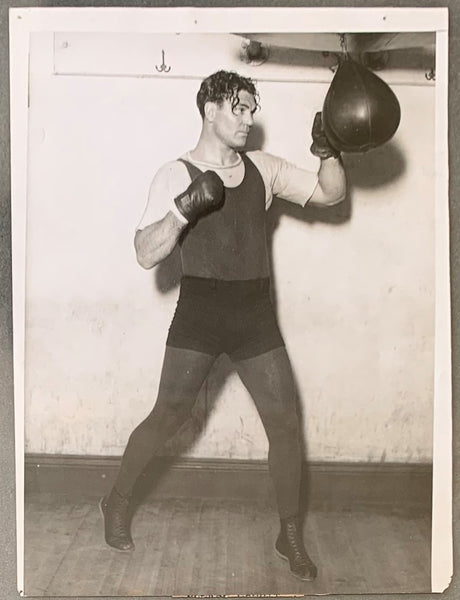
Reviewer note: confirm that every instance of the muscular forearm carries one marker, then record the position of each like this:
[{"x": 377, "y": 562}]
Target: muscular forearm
[
  {"x": 155, "y": 242},
  {"x": 332, "y": 183}
]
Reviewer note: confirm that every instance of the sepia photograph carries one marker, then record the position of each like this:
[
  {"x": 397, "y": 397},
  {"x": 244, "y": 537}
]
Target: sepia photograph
[{"x": 231, "y": 301}]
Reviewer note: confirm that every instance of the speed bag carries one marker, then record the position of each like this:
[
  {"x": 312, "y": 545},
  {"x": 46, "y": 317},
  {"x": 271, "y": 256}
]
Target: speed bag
[{"x": 360, "y": 110}]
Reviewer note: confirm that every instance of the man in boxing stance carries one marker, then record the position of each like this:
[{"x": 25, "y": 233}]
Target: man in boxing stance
[{"x": 212, "y": 202}]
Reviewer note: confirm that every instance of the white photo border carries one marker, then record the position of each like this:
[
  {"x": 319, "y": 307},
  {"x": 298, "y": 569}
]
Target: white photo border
[{"x": 24, "y": 21}]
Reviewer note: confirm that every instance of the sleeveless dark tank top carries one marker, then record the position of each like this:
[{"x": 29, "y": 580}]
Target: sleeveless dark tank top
[{"x": 229, "y": 243}]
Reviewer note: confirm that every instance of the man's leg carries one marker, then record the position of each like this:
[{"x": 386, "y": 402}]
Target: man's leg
[
  {"x": 269, "y": 379},
  {"x": 182, "y": 376}
]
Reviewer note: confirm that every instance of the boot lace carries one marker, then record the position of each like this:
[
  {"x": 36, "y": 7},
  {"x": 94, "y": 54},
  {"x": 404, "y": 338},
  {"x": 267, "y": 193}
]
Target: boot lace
[
  {"x": 119, "y": 516},
  {"x": 296, "y": 543}
]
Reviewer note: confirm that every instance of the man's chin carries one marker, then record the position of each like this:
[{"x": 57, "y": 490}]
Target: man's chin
[{"x": 240, "y": 145}]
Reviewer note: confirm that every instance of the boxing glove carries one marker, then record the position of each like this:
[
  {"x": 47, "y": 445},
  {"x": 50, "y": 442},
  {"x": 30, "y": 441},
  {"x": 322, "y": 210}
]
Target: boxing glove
[
  {"x": 321, "y": 146},
  {"x": 204, "y": 195}
]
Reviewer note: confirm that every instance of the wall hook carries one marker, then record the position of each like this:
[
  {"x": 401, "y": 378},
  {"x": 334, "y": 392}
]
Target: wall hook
[
  {"x": 431, "y": 75},
  {"x": 162, "y": 68}
]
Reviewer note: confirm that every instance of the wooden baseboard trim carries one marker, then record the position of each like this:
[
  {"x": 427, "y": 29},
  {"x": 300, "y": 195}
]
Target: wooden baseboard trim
[{"x": 328, "y": 485}]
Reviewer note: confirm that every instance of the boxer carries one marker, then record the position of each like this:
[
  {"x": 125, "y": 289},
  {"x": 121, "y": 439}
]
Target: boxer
[{"x": 212, "y": 202}]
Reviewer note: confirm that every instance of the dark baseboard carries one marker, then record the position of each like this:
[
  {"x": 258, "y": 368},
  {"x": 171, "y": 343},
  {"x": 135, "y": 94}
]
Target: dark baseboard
[{"x": 327, "y": 485}]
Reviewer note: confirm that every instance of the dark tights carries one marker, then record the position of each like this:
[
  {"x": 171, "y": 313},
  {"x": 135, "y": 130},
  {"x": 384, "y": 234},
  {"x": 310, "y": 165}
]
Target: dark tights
[{"x": 269, "y": 380}]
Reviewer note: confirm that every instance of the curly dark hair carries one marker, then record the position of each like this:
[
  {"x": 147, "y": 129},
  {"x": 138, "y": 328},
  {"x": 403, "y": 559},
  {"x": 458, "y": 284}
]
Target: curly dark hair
[{"x": 224, "y": 85}]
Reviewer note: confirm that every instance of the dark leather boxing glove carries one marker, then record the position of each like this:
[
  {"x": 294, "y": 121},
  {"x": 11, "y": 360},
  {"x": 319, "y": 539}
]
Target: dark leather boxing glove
[
  {"x": 204, "y": 195},
  {"x": 321, "y": 146}
]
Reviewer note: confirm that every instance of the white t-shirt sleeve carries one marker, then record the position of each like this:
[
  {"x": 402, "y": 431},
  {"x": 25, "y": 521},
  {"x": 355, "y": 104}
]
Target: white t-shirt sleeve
[
  {"x": 170, "y": 180},
  {"x": 284, "y": 179}
]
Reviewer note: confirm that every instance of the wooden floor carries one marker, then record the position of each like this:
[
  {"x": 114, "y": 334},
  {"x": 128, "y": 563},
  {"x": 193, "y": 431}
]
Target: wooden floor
[{"x": 216, "y": 546}]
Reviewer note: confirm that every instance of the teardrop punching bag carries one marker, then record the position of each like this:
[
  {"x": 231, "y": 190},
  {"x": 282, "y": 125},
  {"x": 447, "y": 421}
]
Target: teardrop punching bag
[{"x": 360, "y": 110}]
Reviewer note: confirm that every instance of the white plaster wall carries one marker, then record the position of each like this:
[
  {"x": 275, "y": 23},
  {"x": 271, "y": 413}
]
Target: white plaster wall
[{"x": 354, "y": 293}]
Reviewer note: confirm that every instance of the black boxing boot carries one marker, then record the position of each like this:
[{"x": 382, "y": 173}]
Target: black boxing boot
[
  {"x": 289, "y": 546},
  {"x": 115, "y": 509}
]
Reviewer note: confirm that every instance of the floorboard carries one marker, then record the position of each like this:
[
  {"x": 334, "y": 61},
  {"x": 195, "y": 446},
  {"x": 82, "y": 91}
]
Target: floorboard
[{"x": 210, "y": 546}]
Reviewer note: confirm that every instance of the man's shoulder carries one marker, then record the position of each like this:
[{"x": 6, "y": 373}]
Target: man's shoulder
[
  {"x": 175, "y": 162},
  {"x": 264, "y": 157},
  {"x": 266, "y": 163},
  {"x": 171, "y": 167},
  {"x": 256, "y": 154}
]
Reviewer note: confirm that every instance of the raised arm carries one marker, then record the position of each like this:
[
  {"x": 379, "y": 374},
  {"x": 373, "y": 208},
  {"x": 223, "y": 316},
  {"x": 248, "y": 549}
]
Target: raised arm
[
  {"x": 332, "y": 183},
  {"x": 156, "y": 241}
]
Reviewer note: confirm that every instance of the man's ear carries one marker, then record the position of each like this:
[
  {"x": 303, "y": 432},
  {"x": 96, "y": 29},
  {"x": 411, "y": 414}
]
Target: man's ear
[{"x": 210, "y": 109}]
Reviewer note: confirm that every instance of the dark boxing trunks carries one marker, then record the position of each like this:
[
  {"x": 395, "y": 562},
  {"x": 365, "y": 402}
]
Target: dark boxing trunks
[{"x": 233, "y": 317}]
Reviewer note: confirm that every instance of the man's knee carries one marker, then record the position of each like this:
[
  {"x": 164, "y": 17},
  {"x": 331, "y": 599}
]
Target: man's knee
[
  {"x": 282, "y": 422},
  {"x": 175, "y": 410}
]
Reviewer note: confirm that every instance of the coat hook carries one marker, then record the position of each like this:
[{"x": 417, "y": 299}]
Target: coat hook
[
  {"x": 431, "y": 75},
  {"x": 162, "y": 68}
]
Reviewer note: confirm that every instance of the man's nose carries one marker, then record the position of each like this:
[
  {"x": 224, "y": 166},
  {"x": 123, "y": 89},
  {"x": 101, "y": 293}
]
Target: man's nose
[{"x": 249, "y": 119}]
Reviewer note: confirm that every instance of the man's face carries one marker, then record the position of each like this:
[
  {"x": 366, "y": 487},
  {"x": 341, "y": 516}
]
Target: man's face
[{"x": 232, "y": 126}]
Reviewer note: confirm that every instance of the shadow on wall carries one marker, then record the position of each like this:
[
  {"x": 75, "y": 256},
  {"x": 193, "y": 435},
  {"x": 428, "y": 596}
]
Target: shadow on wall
[
  {"x": 371, "y": 170},
  {"x": 367, "y": 171},
  {"x": 376, "y": 168},
  {"x": 256, "y": 139}
]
